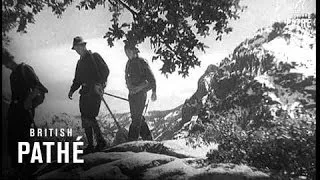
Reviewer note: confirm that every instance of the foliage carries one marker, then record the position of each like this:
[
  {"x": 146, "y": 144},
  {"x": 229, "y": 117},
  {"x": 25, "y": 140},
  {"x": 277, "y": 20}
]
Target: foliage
[
  {"x": 173, "y": 28},
  {"x": 286, "y": 147},
  {"x": 169, "y": 26},
  {"x": 18, "y": 13},
  {"x": 313, "y": 21},
  {"x": 247, "y": 130},
  {"x": 278, "y": 28}
]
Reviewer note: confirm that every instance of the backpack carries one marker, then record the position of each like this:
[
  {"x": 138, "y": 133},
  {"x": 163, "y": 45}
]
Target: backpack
[
  {"x": 102, "y": 71},
  {"x": 36, "y": 101},
  {"x": 100, "y": 66}
]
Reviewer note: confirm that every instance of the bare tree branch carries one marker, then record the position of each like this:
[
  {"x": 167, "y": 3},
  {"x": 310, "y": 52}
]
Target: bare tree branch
[
  {"x": 134, "y": 13},
  {"x": 112, "y": 3}
]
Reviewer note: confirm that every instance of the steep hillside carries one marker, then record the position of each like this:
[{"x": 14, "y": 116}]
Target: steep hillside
[
  {"x": 279, "y": 63},
  {"x": 261, "y": 107}
]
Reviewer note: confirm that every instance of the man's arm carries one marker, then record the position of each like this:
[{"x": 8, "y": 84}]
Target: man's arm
[
  {"x": 128, "y": 83},
  {"x": 150, "y": 77},
  {"x": 146, "y": 86},
  {"x": 76, "y": 81},
  {"x": 151, "y": 81}
]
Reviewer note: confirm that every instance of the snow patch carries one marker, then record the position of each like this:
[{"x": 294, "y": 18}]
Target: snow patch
[
  {"x": 295, "y": 52},
  {"x": 180, "y": 146},
  {"x": 171, "y": 115},
  {"x": 265, "y": 79}
]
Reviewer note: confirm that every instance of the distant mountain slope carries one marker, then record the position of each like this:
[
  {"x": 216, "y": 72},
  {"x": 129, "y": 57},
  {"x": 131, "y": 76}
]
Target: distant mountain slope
[
  {"x": 261, "y": 110},
  {"x": 159, "y": 122}
]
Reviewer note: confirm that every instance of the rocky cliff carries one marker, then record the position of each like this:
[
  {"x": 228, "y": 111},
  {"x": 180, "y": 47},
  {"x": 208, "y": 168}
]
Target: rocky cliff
[
  {"x": 278, "y": 64},
  {"x": 261, "y": 108}
]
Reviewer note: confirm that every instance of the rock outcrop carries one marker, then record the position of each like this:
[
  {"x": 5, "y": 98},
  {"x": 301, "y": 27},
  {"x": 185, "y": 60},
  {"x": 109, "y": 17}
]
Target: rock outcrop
[{"x": 147, "y": 160}]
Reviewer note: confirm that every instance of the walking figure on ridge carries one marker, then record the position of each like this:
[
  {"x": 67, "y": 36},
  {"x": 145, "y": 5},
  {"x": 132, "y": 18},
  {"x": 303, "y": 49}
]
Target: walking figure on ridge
[
  {"x": 91, "y": 74},
  {"x": 139, "y": 80}
]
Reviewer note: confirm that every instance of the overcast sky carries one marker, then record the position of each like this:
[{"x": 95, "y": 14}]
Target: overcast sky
[{"x": 47, "y": 48}]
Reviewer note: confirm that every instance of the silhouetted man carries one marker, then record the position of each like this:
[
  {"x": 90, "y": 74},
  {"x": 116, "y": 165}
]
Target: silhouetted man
[
  {"x": 91, "y": 74},
  {"x": 139, "y": 80},
  {"x": 25, "y": 87}
]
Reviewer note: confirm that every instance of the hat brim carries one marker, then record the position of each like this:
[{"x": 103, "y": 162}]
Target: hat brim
[{"x": 78, "y": 44}]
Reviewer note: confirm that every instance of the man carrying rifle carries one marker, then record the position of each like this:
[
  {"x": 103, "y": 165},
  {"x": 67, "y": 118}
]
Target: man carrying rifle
[
  {"x": 139, "y": 80},
  {"x": 91, "y": 74}
]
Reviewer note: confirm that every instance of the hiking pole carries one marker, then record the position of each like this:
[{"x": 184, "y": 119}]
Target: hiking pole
[
  {"x": 145, "y": 108},
  {"x": 114, "y": 118},
  {"x": 116, "y": 96}
]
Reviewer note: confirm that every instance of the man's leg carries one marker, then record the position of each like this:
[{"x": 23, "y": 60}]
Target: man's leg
[
  {"x": 101, "y": 143},
  {"x": 145, "y": 131},
  {"x": 85, "y": 110},
  {"x": 137, "y": 103},
  {"x": 12, "y": 136},
  {"x": 18, "y": 129},
  {"x": 93, "y": 108},
  {"x": 86, "y": 124}
]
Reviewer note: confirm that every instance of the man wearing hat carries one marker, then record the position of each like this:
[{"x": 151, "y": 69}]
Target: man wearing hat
[
  {"x": 25, "y": 87},
  {"x": 91, "y": 74}
]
